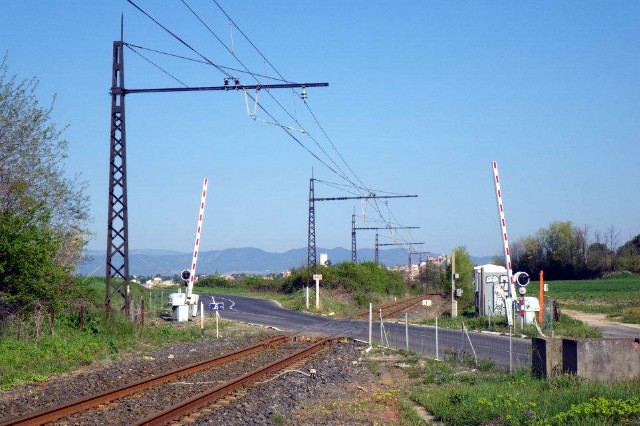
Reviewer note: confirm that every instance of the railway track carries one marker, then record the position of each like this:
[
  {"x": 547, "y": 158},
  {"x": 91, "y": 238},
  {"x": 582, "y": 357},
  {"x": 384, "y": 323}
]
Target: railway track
[
  {"x": 391, "y": 309},
  {"x": 153, "y": 395}
]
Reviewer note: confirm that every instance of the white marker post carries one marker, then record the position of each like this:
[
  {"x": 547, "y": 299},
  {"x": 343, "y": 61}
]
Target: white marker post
[
  {"x": 201, "y": 319},
  {"x": 406, "y": 328},
  {"x": 307, "y": 298},
  {"x": 437, "y": 351},
  {"x": 370, "y": 324},
  {"x": 317, "y": 278}
]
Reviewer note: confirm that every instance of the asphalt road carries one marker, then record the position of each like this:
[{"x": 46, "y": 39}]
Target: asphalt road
[{"x": 425, "y": 340}]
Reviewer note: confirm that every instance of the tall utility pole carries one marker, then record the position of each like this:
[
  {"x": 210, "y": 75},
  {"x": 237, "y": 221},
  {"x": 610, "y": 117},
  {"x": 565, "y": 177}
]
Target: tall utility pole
[
  {"x": 117, "y": 260},
  {"x": 354, "y": 248},
  {"x": 312, "y": 258},
  {"x": 117, "y": 220},
  {"x": 354, "y": 254},
  {"x": 311, "y": 248},
  {"x": 376, "y": 251}
]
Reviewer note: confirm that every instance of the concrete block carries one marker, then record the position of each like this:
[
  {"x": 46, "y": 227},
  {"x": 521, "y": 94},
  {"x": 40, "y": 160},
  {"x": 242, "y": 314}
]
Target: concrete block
[
  {"x": 603, "y": 360},
  {"x": 546, "y": 356}
]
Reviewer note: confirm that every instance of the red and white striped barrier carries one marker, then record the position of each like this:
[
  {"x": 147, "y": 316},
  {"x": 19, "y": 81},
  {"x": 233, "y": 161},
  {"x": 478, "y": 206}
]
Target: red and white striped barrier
[
  {"x": 503, "y": 227},
  {"x": 198, "y": 230}
]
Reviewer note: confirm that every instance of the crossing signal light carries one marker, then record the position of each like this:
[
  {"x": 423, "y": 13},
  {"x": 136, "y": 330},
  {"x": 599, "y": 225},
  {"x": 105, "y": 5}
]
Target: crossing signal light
[{"x": 521, "y": 278}]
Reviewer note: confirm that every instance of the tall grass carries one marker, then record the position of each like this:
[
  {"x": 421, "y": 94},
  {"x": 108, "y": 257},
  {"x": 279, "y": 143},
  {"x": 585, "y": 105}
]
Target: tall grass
[{"x": 79, "y": 340}]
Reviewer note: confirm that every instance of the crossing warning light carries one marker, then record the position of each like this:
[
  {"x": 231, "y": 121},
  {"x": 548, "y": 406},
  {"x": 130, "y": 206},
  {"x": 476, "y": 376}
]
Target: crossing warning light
[{"x": 521, "y": 278}]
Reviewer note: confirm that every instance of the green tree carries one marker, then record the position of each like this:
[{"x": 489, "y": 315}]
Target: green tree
[
  {"x": 28, "y": 267},
  {"x": 464, "y": 269},
  {"x": 43, "y": 213},
  {"x": 629, "y": 255}
]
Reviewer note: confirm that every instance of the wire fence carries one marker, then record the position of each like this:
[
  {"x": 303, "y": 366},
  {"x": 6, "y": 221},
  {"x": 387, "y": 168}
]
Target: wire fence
[
  {"x": 31, "y": 322},
  {"x": 507, "y": 351}
]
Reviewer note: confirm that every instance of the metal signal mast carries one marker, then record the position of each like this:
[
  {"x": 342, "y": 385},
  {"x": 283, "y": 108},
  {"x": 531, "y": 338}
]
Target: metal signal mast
[
  {"x": 354, "y": 254},
  {"x": 117, "y": 260},
  {"x": 312, "y": 258}
]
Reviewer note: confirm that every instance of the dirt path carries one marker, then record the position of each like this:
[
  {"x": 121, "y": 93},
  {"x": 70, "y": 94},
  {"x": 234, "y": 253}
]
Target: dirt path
[{"x": 607, "y": 327}]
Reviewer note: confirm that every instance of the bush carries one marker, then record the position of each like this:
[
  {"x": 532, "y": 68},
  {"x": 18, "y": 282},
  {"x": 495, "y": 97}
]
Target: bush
[{"x": 361, "y": 279}]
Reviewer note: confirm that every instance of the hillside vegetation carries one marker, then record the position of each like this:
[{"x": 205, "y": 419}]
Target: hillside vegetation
[{"x": 362, "y": 283}]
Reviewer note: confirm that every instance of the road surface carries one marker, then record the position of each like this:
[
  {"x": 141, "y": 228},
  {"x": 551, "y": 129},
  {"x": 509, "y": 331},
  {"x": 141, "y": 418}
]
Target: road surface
[{"x": 421, "y": 339}]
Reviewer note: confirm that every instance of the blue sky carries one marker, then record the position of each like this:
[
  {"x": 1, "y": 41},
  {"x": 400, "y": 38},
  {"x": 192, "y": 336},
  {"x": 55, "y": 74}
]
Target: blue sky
[{"x": 423, "y": 95}]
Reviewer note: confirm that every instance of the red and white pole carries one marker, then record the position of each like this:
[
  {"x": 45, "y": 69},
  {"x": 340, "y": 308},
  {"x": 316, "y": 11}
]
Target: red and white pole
[
  {"x": 503, "y": 227},
  {"x": 196, "y": 248}
]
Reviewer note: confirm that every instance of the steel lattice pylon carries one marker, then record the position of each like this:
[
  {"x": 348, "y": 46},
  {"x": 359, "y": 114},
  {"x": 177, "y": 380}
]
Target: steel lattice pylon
[
  {"x": 117, "y": 270},
  {"x": 312, "y": 259},
  {"x": 354, "y": 249},
  {"x": 376, "y": 253}
]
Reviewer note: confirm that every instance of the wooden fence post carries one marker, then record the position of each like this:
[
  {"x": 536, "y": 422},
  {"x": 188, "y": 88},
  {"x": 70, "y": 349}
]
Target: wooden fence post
[
  {"x": 52, "y": 319},
  {"x": 81, "y": 325}
]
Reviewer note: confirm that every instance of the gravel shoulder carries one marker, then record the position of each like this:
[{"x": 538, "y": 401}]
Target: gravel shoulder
[{"x": 607, "y": 327}]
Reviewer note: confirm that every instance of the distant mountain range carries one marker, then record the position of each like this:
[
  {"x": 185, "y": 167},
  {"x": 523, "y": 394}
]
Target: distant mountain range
[{"x": 236, "y": 260}]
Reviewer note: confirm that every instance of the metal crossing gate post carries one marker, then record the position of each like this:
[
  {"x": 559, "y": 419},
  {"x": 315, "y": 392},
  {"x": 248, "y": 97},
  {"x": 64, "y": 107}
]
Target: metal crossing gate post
[{"x": 117, "y": 268}]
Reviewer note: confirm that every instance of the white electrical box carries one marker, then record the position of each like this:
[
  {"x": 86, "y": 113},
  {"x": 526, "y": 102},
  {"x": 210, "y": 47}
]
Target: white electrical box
[
  {"x": 177, "y": 299},
  {"x": 181, "y": 313},
  {"x": 489, "y": 282}
]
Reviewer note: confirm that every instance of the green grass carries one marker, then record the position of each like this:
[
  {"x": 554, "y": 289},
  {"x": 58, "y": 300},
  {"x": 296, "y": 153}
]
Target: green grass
[
  {"x": 102, "y": 337},
  {"x": 618, "y": 298},
  {"x": 456, "y": 394},
  {"x": 519, "y": 398},
  {"x": 566, "y": 327}
]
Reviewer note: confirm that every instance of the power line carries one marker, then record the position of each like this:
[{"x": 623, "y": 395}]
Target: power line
[
  {"x": 342, "y": 174},
  {"x": 281, "y": 76},
  {"x": 155, "y": 65},
  {"x": 229, "y": 76},
  {"x": 186, "y": 58},
  {"x": 224, "y": 70},
  {"x": 187, "y": 45}
]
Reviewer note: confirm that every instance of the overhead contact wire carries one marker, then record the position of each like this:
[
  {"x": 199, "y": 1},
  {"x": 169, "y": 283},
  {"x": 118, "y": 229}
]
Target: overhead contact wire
[
  {"x": 342, "y": 174},
  {"x": 187, "y": 45}
]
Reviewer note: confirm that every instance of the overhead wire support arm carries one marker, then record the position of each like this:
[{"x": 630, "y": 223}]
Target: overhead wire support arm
[
  {"x": 364, "y": 197},
  {"x": 385, "y": 227},
  {"x": 397, "y": 244},
  {"x": 224, "y": 88}
]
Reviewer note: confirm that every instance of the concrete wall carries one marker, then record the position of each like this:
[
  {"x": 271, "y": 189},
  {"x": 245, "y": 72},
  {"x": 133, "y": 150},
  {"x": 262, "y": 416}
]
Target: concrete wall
[
  {"x": 546, "y": 356},
  {"x": 604, "y": 360}
]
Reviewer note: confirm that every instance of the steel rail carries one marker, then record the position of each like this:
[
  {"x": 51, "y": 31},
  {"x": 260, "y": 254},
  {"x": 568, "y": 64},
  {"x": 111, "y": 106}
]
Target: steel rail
[
  {"x": 396, "y": 307},
  {"x": 54, "y": 413},
  {"x": 178, "y": 410}
]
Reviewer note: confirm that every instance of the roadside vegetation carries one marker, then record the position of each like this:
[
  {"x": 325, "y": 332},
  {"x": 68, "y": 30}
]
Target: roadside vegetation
[
  {"x": 455, "y": 392},
  {"x": 35, "y": 348},
  {"x": 345, "y": 287},
  {"x": 565, "y": 326}
]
